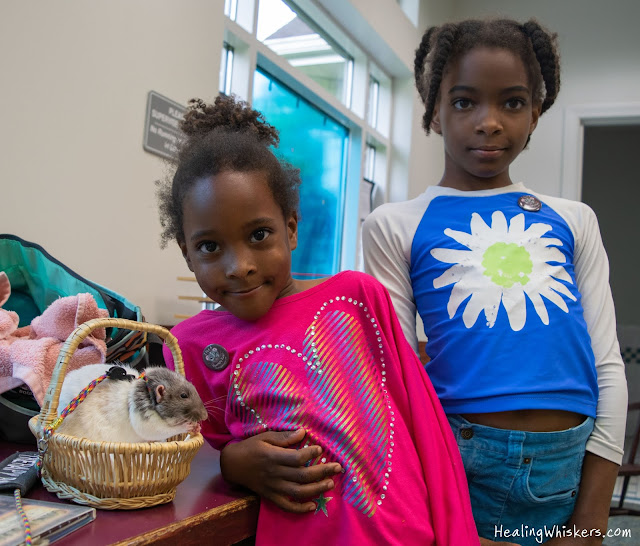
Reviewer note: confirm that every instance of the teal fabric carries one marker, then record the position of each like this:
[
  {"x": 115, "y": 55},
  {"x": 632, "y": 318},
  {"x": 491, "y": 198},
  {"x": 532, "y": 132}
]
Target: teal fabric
[{"x": 38, "y": 279}]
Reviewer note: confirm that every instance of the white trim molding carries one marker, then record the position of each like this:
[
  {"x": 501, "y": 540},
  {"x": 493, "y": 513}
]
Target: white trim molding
[{"x": 575, "y": 120}]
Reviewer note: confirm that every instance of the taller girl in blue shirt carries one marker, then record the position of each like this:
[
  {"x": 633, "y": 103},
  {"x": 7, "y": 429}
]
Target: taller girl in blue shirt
[{"x": 512, "y": 288}]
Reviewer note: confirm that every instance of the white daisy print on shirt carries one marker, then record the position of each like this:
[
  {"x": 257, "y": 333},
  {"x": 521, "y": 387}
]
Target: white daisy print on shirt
[{"x": 503, "y": 264}]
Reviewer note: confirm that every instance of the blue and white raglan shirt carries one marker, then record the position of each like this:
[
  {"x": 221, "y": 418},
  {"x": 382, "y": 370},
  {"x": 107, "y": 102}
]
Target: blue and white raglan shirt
[{"x": 515, "y": 302}]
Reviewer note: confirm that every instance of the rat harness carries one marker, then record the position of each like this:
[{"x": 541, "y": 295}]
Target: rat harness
[{"x": 115, "y": 373}]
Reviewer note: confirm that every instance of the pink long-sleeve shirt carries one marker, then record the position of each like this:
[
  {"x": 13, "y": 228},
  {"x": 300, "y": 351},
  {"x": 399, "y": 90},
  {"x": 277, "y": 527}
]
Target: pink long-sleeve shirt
[{"x": 333, "y": 360}]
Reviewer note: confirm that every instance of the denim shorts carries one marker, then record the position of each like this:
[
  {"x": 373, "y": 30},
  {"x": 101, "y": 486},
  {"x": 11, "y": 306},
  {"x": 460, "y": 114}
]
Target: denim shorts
[{"x": 521, "y": 482}]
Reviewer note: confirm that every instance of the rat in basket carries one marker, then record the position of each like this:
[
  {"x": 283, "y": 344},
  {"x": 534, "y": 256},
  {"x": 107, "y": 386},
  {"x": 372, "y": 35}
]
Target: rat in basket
[{"x": 128, "y": 408}]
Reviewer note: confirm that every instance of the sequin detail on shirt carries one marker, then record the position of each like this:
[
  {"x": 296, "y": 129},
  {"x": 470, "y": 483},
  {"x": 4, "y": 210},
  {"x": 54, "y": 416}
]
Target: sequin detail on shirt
[{"x": 342, "y": 402}]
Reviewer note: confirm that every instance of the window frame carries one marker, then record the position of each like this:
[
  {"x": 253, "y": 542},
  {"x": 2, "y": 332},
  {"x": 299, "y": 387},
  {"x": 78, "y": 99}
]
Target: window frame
[{"x": 250, "y": 54}]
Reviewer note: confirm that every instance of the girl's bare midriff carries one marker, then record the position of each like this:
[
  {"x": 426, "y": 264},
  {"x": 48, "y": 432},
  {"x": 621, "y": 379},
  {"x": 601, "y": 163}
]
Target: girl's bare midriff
[{"x": 536, "y": 420}]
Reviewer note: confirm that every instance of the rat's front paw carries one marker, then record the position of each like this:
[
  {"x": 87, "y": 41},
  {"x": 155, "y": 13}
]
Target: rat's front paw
[{"x": 194, "y": 428}]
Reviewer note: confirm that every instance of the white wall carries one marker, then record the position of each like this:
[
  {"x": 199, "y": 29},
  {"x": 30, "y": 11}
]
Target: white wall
[
  {"x": 380, "y": 28},
  {"x": 600, "y": 55},
  {"x": 427, "y": 153},
  {"x": 74, "y": 176},
  {"x": 75, "y": 78}
]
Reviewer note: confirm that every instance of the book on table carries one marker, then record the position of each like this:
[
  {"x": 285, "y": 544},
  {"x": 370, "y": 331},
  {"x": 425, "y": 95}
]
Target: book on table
[{"x": 50, "y": 520}]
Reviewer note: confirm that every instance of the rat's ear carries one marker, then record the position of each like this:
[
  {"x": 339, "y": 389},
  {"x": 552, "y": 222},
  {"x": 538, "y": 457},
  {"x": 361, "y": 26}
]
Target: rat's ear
[{"x": 159, "y": 393}]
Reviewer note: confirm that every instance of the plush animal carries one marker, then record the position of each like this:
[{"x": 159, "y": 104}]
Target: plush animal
[
  {"x": 28, "y": 354},
  {"x": 9, "y": 321}
]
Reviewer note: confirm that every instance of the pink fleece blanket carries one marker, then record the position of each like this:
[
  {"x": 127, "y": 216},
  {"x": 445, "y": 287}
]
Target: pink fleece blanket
[{"x": 28, "y": 354}]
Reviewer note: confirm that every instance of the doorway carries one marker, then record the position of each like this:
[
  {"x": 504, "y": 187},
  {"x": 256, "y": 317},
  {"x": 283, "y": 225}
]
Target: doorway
[{"x": 611, "y": 187}]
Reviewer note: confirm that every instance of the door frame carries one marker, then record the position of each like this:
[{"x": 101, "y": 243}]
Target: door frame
[{"x": 576, "y": 118}]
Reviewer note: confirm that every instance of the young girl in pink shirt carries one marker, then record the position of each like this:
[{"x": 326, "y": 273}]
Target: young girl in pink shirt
[{"x": 325, "y": 359}]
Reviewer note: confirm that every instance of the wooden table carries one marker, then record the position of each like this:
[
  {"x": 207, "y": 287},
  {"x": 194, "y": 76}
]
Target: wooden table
[{"x": 206, "y": 510}]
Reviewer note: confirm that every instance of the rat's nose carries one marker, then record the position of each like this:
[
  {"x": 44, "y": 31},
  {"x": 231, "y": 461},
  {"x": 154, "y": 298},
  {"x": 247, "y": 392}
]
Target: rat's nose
[{"x": 200, "y": 414}]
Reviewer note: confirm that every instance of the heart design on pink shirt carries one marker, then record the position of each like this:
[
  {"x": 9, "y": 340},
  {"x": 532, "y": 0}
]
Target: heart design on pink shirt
[{"x": 343, "y": 404}]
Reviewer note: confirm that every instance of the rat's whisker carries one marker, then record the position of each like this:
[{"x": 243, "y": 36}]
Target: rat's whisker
[{"x": 214, "y": 401}]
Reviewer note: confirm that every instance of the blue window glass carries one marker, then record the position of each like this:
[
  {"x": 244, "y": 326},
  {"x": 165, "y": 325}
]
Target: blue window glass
[{"x": 316, "y": 144}]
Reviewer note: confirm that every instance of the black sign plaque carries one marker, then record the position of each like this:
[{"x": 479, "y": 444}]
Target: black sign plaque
[{"x": 162, "y": 125}]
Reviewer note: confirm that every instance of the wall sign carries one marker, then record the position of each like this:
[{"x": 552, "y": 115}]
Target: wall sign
[{"x": 162, "y": 125}]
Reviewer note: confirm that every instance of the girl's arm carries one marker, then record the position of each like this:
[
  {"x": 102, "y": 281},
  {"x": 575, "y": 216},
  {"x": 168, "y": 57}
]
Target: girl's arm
[
  {"x": 605, "y": 445},
  {"x": 591, "y": 513},
  {"x": 266, "y": 463},
  {"x": 269, "y": 466},
  {"x": 387, "y": 234},
  {"x": 418, "y": 405},
  {"x": 592, "y": 278}
]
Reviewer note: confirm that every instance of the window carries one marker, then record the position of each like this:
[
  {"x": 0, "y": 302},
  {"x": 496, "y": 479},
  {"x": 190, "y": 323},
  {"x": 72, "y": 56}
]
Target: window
[
  {"x": 293, "y": 36},
  {"x": 411, "y": 9},
  {"x": 374, "y": 95},
  {"x": 231, "y": 9},
  {"x": 226, "y": 69},
  {"x": 370, "y": 163},
  {"x": 332, "y": 107},
  {"x": 379, "y": 101},
  {"x": 316, "y": 144}
]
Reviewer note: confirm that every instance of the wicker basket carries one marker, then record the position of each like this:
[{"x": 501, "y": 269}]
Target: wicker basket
[{"x": 110, "y": 475}]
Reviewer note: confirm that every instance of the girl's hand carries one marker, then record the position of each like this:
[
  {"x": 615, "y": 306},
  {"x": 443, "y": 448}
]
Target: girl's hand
[{"x": 269, "y": 466}]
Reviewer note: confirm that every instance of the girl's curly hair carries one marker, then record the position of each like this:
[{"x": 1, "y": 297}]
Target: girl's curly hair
[{"x": 227, "y": 135}]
